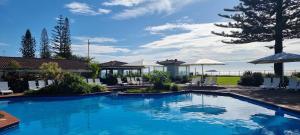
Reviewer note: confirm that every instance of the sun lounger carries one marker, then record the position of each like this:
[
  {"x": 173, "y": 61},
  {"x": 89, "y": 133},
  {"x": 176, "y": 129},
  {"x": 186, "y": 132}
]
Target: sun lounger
[
  {"x": 275, "y": 83},
  {"x": 50, "y": 82},
  {"x": 97, "y": 81},
  {"x": 134, "y": 81},
  {"x": 266, "y": 84},
  {"x": 120, "y": 82},
  {"x": 41, "y": 83},
  {"x": 129, "y": 80},
  {"x": 195, "y": 81},
  {"x": 32, "y": 85},
  {"x": 210, "y": 81},
  {"x": 4, "y": 89},
  {"x": 140, "y": 80},
  {"x": 90, "y": 81},
  {"x": 293, "y": 84}
]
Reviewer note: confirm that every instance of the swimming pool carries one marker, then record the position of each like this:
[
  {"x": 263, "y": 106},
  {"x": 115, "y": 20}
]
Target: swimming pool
[{"x": 184, "y": 114}]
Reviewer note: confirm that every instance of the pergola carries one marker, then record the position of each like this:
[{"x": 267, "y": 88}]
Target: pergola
[{"x": 119, "y": 67}]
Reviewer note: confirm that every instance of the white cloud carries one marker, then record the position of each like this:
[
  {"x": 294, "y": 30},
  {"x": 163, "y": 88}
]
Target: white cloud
[
  {"x": 3, "y": 44},
  {"x": 196, "y": 41},
  {"x": 97, "y": 49},
  {"x": 85, "y": 9},
  {"x": 126, "y": 3},
  {"x": 94, "y": 39},
  {"x": 153, "y": 7}
]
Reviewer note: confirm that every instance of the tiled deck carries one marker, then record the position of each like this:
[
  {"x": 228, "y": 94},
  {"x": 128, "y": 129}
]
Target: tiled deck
[{"x": 7, "y": 121}]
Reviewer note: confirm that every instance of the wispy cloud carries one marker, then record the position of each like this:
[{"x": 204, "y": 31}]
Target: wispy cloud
[
  {"x": 99, "y": 46},
  {"x": 85, "y": 9},
  {"x": 94, "y": 39},
  {"x": 3, "y": 44},
  {"x": 153, "y": 7},
  {"x": 126, "y": 3}
]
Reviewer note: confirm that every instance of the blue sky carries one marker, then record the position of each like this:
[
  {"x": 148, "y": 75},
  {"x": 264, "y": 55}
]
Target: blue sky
[{"x": 131, "y": 30}]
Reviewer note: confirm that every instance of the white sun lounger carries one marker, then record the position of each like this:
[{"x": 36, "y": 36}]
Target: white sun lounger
[
  {"x": 293, "y": 84},
  {"x": 90, "y": 81},
  {"x": 97, "y": 81},
  {"x": 275, "y": 83},
  {"x": 4, "y": 89},
  {"x": 41, "y": 83},
  {"x": 120, "y": 82},
  {"x": 194, "y": 82},
  {"x": 134, "y": 81},
  {"x": 129, "y": 81},
  {"x": 50, "y": 82},
  {"x": 32, "y": 85},
  {"x": 266, "y": 84}
]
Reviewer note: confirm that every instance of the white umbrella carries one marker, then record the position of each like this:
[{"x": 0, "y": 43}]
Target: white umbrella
[
  {"x": 278, "y": 58},
  {"x": 203, "y": 62}
]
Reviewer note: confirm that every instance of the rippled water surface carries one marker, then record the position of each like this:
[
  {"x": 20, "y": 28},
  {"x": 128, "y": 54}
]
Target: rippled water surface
[{"x": 187, "y": 114}]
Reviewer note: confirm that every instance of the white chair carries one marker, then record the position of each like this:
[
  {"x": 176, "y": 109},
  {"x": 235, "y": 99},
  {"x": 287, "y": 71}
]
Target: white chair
[
  {"x": 97, "y": 81},
  {"x": 207, "y": 81},
  {"x": 213, "y": 81},
  {"x": 275, "y": 83},
  {"x": 120, "y": 82},
  {"x": 41, "y": 83},
  {"x": 293, "y": 84},
  {"x": 90, "y": 81},
  {"x": 4, "y": 89},
  {"x": 32, "y": 85},
  {"x": 266, "y": 84},
  {"x": 50, "y": 82},
  {"x": 129, "y": 81},
  {"x": 195, "y": 81},
  {"x": 134, "y": 81},
  {"x": 140, "y": 80}
]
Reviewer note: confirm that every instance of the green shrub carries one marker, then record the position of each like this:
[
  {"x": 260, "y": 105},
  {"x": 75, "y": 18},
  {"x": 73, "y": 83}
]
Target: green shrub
[
  {"x": 251, "y": 79},
  {"x": 70, "y": 84},
  {"x": 98, "y": 88},
  {"x": 158, "y": 78}
]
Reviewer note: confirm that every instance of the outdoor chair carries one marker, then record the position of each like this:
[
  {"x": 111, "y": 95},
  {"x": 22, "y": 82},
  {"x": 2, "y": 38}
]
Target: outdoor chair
[
  {"x": 129, "y": 81},
  {"x": 140, "y": 80},
  {"x": 134, "y": 81},
  {"x": 97, "y": 81},
  {"x": 32, "y": 85},
  {"x": 41, "y": 83},
  {"x": 50, "y": 82},
  {"x": 275, "y": 83},
  {"x": 195, "y": 81},
  {"x": 293, "y": 84},
  {"x": 266, "y": 84},
  {"x": 90, "y": 81},
  {"x": 120, "y": 82},
  {"x": 4, "y": 89}
]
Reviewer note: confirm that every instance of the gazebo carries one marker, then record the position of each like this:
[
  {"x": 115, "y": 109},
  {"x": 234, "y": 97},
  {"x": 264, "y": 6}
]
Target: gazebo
[
  {"x": 120, "y": 67},
  {"x": 172, "y": 66}
]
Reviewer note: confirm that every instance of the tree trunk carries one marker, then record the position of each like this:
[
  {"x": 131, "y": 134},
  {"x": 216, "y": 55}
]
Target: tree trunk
[{"x": 278, "y": 67}]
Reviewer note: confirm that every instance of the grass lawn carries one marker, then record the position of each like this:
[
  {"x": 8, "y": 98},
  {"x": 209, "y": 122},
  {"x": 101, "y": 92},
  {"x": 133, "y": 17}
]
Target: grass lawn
[{"x": 232, "y": 80}]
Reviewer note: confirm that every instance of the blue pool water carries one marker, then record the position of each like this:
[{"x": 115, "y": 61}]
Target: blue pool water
[{"x": 186, "y": 114}]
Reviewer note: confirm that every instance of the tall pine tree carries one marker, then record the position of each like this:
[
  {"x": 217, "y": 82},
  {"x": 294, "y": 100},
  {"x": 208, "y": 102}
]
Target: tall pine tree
[
  {"x": 67, "y": 39},
  {"x": 28, "y": 45},
  {"x": 263, "y": 21},
  {"x": 61, "y": 39},
  {"x": 45, "y": 47}
]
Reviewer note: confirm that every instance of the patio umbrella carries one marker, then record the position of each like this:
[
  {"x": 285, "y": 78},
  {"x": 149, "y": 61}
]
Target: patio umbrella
[
  {"x": 211, "y": 71},
  {"x": 278, "y": 58},
  {"x": 203, "y": 62}
]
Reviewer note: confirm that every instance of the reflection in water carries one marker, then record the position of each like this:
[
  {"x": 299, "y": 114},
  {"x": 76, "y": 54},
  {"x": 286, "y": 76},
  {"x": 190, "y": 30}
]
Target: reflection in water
[
  {"x": 277, "y": 125},
  {"x": 205, "y": 109},
  {"x": 186, "y": 114}
]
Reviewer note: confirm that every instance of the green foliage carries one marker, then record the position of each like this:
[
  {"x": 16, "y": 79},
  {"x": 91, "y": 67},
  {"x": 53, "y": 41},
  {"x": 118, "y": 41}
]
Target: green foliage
[
  {"x": 146, "y": 77},
  {"x": 251, "y": 79},
  {"x": 95, "y": 69},
  {"x": 158, "y": 78},
  {"x": 51, "y": 70},
  {"x": 297, "y": 74},
  {"x": 28, "y": 45},
  {"x": 45, "y": 45},
  {"x": 70, "y": 84}
]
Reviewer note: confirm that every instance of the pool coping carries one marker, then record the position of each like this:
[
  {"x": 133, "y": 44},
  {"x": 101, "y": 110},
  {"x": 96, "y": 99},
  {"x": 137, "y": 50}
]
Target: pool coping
[{"x": 8, "y": 121}]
